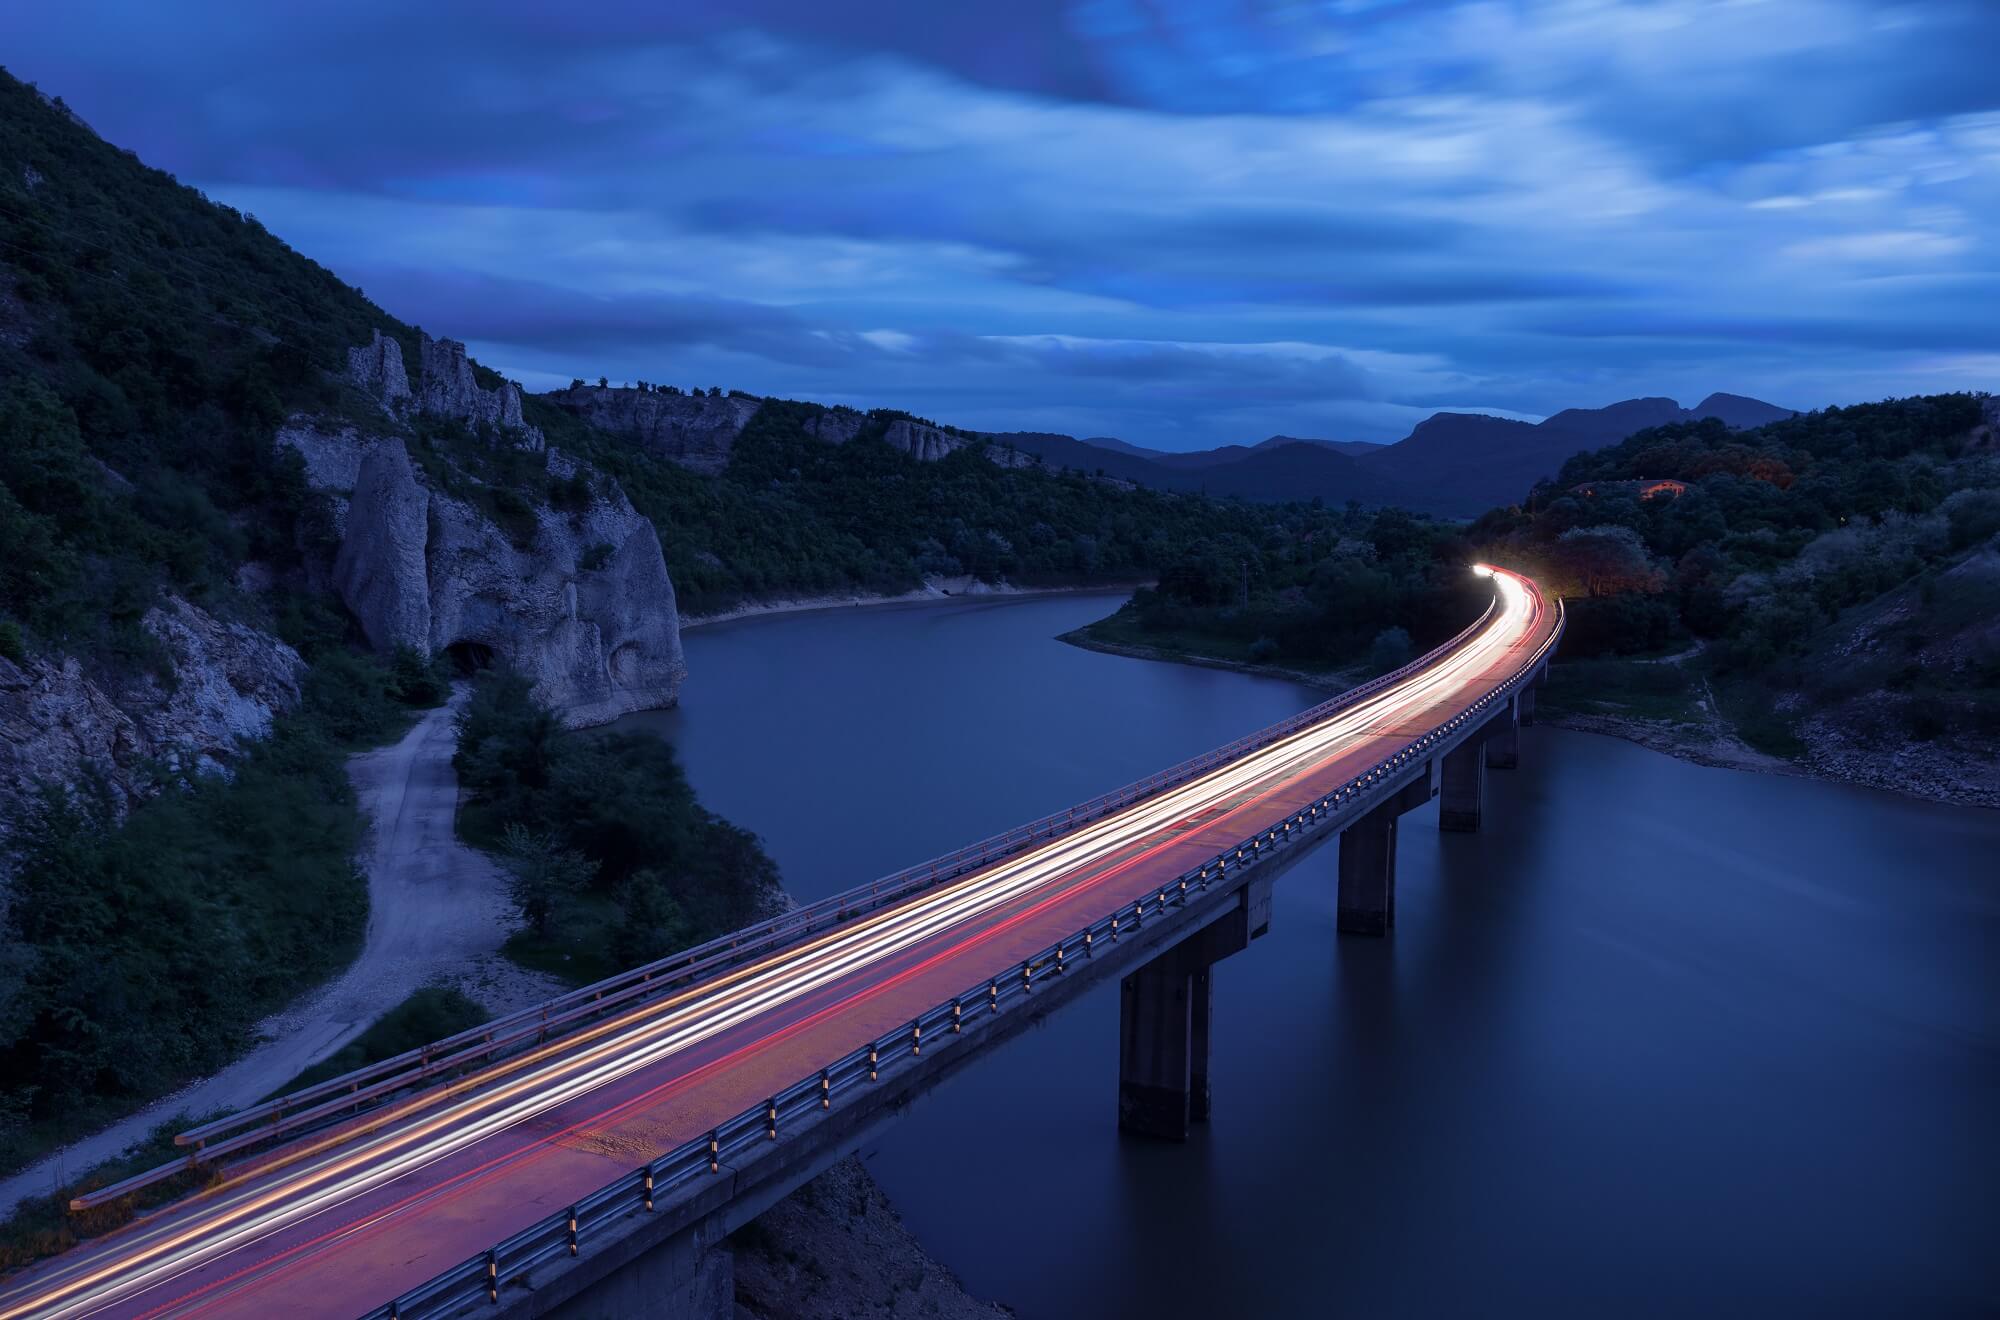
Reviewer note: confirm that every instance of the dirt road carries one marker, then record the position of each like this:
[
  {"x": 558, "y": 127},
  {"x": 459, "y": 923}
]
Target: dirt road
[{"x": 435, "y": 912}]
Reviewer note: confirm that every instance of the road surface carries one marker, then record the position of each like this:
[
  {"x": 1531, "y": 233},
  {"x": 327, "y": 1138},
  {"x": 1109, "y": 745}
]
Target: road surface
[{"x": 351, "y": 1220}]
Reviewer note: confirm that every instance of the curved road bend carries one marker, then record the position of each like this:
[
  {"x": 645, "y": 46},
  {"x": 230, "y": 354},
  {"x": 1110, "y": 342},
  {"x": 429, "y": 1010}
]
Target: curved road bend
[
  {"x": 346, "y": 1224},
  {"x": 435, "y": 908}
]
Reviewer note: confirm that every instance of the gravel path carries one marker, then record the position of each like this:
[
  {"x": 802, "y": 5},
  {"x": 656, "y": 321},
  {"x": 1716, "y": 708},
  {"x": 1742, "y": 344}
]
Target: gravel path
[{"x": 436, "y": 912}]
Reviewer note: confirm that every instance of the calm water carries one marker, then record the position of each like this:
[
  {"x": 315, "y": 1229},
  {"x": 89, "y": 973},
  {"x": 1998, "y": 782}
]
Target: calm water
[{"x": 1662, "y": 1040}]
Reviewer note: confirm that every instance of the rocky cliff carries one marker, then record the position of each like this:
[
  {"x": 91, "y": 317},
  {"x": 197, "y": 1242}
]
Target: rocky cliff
[
  {"x": 447, "y": 386},
  {"x": 580, "y": 601},
  {"x": 698, "y": 430},
  {"x": 60, "y": 720},
  {"x": 693, "y": 430}
]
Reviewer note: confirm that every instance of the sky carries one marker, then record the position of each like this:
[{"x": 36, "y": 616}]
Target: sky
[{"x": 1179, "y": 222}]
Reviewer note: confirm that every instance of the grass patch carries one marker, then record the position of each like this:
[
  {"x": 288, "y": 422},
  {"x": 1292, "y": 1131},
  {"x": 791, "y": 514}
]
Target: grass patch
[
  {"x": 432, "y": 1013},
  {"x": 45, "y": 1226},
  {"x": 1750, "y": 709},
  {"x": 578, "y": 947},
  {"x": 1627, "y": 688}
]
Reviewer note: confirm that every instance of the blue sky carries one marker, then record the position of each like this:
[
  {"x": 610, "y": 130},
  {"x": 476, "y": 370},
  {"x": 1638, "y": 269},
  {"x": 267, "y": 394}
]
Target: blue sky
[{"x": 1181, "y": 222}]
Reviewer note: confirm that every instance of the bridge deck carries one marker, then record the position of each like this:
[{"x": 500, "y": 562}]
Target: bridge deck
[{"x": 343, "y": 1230}]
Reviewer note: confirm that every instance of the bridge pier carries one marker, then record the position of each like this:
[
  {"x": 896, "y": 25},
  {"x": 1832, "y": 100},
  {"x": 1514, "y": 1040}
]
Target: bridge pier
[
  {"x": 1527, "y": 703},
  {"x": 1503, "y": 744},
  {"x": 1464, "y": 783},
  {"x": 1367, "y": 901},
  {"x": 1164, "y": 1020}
]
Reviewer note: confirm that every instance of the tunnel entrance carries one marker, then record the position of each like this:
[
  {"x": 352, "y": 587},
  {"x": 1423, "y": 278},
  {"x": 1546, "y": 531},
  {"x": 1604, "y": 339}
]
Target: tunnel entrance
[{"x": 469, "y": 658}]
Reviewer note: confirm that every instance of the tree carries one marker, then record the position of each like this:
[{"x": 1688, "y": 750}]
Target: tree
[
  {"x": 653, "y": 923},
  {"x": 1391, "y": 649},
  {"x": 542, "y": 875}
]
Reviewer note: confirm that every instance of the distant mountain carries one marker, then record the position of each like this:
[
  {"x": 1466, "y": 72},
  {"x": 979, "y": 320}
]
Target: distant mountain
[
  {"x": 1456, "y": 464},
  {"x": 1739, "y": 413}
]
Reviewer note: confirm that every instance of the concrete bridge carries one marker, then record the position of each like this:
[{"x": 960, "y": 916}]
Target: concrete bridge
[{"x": 588, "y": 1157}]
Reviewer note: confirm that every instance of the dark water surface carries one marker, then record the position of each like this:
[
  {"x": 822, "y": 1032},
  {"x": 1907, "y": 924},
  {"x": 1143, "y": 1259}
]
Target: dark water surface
[{"x": 1662, "y": 1040}]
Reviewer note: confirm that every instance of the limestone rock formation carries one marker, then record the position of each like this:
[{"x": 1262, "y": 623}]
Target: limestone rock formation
[
  {"x": 57, "y": 720},
  {"x": 926, "y": 444},
  {"x": 449, "y": 389},
  {"x": 836, "y": 426},
  {"x": 585, "y": 609},
  {"x": 446, "y": 386},
  {"x": 377, "y": 367},
  {"x": 693, "y": 430},
  {"x": 380, "y": 568}
]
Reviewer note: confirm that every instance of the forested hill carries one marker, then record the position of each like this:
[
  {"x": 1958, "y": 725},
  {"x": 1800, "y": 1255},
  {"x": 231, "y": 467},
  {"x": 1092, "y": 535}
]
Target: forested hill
[{"x": 1833, "y": 580}]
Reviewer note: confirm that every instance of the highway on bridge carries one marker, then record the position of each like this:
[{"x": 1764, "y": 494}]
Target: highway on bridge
[{"x": 339, "y": 1222}]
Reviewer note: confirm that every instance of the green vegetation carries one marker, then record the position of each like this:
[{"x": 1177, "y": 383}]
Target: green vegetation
[
  {"x": 611, "y": 860},
  {"x": 432, "y": 1013},
  {"x": 1642, "y": 689},
  {"x": 45, "y": 1225},
  {"x": 165, "y": 339},
  {"x": 794, "y": 515},
  {"x": 1309, "y": 588},
  {"x": 139, "y": 954},
  {"x": 1787, "y": 543}
]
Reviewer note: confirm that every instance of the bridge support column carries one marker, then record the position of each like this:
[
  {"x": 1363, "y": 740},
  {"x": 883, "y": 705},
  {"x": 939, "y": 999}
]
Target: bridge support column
[
  {"x": 1368, "y": 873},
  {"x": 1528, "y": 704},
  {"x": 1164, "y": 1019},
  {"x": 1156, "y": 1050},
  {"x": 1503, "y": 745},
  {"x": 1464, "y": 776}
]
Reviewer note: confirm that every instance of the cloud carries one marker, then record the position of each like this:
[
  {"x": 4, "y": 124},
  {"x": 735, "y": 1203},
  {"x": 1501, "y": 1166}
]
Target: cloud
[{"x": 1180, "y": 222}]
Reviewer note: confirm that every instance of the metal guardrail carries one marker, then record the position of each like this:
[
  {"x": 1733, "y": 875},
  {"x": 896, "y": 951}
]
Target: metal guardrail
[
  {"x": 562, "y": 1235},
  {"x": 437, "y": 1063}
]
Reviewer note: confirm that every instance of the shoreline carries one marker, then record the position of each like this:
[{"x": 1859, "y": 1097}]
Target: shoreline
[
  {"x": 1717, "y": 747},
  {"x": 1337, "y": 681},
  {"x": 932, "y": 593}
]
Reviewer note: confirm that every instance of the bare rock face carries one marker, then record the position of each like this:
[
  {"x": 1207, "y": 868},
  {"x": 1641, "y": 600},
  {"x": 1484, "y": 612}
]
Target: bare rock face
[
  {"x": 380, "y": 568},
  {"x": 585, "y": 609},
  {"x": 229, "y": 682},
  {"x": 693, "y": 430},
  {"x": 587, "y": 612},
  {"x": 836, "y": 426},
  {"x": 377, "y": 367},
  {"x": 446, "y": 387},
  {"x": 926, "y": 444},
  {"x": 449, "y": 389}
]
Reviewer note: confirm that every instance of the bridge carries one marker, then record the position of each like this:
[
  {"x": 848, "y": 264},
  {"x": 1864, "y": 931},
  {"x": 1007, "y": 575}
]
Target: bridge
[{"x": 588, "y": 1156}]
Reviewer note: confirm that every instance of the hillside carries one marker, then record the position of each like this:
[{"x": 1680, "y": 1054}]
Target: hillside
[
  {"x": 1830, "y": 578},
  {"x": 1451, "y": 465}
]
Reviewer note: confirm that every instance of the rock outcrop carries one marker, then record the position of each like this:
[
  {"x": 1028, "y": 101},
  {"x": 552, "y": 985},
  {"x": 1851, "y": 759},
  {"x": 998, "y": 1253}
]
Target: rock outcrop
[
  {"x": 693, "y": 430},
  {"x": 58, "y": 721},
  {"x": 583, "y": 607},
  {"x": 926, "y": 444},
  {"x": 377, "y": 367},
  {"x": 449, "y": 389},
  {"x": 446, "y": 386},
  {"x": 380, "y": 568}
]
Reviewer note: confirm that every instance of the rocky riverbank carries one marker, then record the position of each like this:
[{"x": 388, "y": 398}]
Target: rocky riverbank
[
  {"x": 934, "y": 589},
  {"x": 837, "y": 1250}
]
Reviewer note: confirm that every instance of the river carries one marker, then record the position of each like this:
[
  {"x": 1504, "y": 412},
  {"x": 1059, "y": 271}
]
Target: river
[{"x": 1662, "y": 1040}]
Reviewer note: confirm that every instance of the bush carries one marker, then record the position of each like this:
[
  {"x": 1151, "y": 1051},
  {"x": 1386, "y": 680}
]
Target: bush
[
  {"x": 1263, "y": 651},
  {"x": 612, "y": 855},
  {"x": 1391, "y": 649},
  {"x": 12, "y": 645}
]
